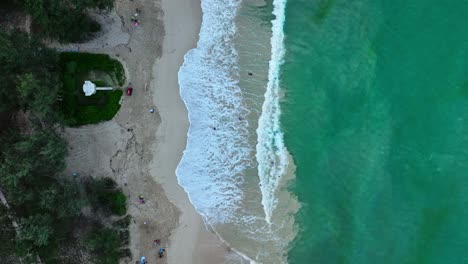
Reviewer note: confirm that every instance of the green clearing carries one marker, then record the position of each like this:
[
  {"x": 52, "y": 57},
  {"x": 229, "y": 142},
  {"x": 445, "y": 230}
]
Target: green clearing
[{"x": 79, "y": 109}]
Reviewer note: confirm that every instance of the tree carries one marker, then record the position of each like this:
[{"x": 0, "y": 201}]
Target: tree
[
  {"x": 87, "y": 4},
  {"x": 13, "y": 166},
  {"x": 66, "y": 21},
  {"x": 7, "y": 233},
  {"x": 105, "y": 243},
  {"x": 104, "y": 196},
  {"x": 62, "y": 200},
  {"x": 36, "y": 96},
  {"x": 36, "y": 229},
  {"x": 28, "y": 163},
  {"x": 30, "y": 73}
]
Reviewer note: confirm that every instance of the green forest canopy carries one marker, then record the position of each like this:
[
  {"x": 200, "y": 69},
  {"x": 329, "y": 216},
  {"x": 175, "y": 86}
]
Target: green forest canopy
[
  {"x": 66, "y": 21},
  {"x": 47, "y": 205}
]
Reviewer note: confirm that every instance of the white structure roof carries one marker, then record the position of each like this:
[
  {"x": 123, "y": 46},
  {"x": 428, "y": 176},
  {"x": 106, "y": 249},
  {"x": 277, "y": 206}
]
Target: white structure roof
[{"x": 89, "y": 88}]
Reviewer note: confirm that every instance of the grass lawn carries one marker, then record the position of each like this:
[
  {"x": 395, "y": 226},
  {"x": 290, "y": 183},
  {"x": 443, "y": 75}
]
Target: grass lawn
[{"x": 79, "y": 109}]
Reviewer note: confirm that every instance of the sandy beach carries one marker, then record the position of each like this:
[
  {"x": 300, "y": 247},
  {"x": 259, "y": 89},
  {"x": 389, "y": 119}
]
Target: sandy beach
[
  {"x": 182, "y": 24},
  {"x": 139, "y": 149}
]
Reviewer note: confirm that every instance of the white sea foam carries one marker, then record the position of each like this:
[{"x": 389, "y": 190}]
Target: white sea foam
[
  {"x": 221, "y": 144},
  {"x": 271, "y": 153},
  {"x": 216, "y": 152}
]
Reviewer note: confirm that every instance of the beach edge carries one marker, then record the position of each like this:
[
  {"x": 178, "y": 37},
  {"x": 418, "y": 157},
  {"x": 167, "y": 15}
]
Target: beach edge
[{"x": 191, "y": 241}]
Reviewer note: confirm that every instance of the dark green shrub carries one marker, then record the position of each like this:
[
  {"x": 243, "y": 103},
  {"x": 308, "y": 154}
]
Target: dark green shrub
[
  {"x": 125, "y": 253},
  {"x": 105, "y": 196},
  {"x": 123, "y": 223},
  {"x": 119, "y": 203},
  {"x": 124, "y": 236},
  {"x": 65, "y": 21},
  {"x": 105, "y": 245},
  {"x": 7, "y": 233}
]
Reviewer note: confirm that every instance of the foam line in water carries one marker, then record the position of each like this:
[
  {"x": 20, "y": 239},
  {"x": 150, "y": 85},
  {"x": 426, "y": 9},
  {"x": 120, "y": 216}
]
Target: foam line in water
[
  {"x": 271, "y": 153},
  {"x": 220, "y": 148},
  {"x": 216, "y": 152}
]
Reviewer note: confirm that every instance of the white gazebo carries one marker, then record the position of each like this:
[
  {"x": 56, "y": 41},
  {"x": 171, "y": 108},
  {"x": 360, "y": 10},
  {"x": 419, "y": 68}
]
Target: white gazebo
[{"x": 90, "y": 88}]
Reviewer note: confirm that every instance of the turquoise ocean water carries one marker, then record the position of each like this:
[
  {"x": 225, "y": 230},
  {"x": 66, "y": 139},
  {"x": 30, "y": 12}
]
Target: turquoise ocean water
[
  {"x": 375, "y": 115},
  {"x": 366, "y": 99}
]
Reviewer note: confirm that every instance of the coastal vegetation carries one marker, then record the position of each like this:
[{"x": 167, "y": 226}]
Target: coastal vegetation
[
  {"x": 65, "y": 21},
  {"x": 29, "y": 78},
  {"x": 55, "y": 212},
  {"x": 52, "y": 216},
  {"x": 49, "y": 85},
  {"x": 7, "y": 233}
]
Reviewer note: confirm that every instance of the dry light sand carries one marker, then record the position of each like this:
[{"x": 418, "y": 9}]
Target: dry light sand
[{"x": 141, "y": 150}]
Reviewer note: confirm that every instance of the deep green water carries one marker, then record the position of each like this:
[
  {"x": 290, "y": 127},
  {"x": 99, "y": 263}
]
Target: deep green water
[{"x": 376, "y": 117}]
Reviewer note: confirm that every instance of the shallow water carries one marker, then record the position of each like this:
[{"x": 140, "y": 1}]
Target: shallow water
[{"x": 223, "y": 84}]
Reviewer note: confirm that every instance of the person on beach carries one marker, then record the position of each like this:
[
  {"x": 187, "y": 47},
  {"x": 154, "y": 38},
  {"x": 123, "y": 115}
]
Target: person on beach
[
  {"x": 135, "y": 19},
  {"x": 161, "y": 252}
]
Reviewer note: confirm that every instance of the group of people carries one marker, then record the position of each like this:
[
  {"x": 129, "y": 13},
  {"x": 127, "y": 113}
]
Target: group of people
[
  {"x": 135, "y": 19},
  {"x": 157, "y": 242}
]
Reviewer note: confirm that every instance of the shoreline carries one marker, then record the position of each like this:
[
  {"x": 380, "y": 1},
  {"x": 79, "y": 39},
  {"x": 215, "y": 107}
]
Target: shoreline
[{"x": 182, "y": 21}]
